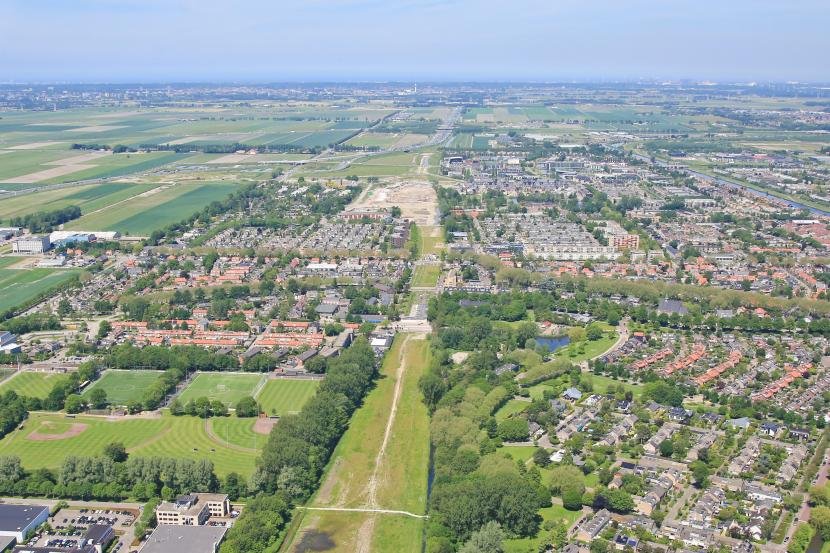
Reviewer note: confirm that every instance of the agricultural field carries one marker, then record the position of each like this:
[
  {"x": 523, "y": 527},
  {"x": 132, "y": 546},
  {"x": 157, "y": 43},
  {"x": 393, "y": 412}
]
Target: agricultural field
[
  {"x": 32, "y": 384},
  {"x": 227, "y": 388},
  {"x": 283, "y": 396},
  {"x": 18, "y": 286},
  {"x": 154, "y": 209},
  {"x": 123, "y": 386},
  {"x": 89, "y": 198},
  {"x": 45, "y": 439}
]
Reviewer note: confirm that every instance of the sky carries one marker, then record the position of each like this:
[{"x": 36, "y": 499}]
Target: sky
[{"x": 413, "y": 40}]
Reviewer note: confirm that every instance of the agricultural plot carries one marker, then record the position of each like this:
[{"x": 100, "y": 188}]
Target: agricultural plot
[
  {"x": 89, "y": 198},
  {"x": 45, "y": 439},
  {"x": 17, "y": 286},
  {"x": 283, "y": 396},
  {"x": 227, "y": 388},
  {"x": 32, "y": 384},
  {"x": 154, "y": 209},
  {"x": 122, "y": 387}
]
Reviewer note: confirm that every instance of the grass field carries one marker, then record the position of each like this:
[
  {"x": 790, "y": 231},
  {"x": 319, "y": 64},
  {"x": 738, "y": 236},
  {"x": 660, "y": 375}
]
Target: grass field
[
  {"x": 426, "y": 275},
  {"x": 17, "y": 286},
  {"x": 89, "y": 198},
  {"x": 237, "y": 432},
  {"x": 512, "y": 407},
  {"x": 164, "y": 436},
  {"x": 554, "y": 513},
  {"x": 123, "y": 386},
  {"x": 431, "y": 240},
  {"x": 284, "y": 396},
  {"x": 142, "y": 215},
  {"x": 32, "y": 384},
  {"x": 399, "y": 479},
  {"x": 228, "y": 388}
]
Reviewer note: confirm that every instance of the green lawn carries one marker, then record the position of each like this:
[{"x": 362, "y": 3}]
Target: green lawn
[
  {"x": 228, "y": 388},
  {"x": 32, "y": 384},
  {"x": 284, "y": 396},
  {"x": 236, "y": 431},
  {"x": 511, "y": 408},
  {"x": 18, "y": 286},
  {"x": 582, "y": 351},
  {"x": 426, "y": 275},
  {"x": 123, "y": 386},
  {"x": 432, "y": 242},
  {"x": 531, "y": 545},
  {"x": 163, "y": 436},
  {"x": 601, "y": 384}
]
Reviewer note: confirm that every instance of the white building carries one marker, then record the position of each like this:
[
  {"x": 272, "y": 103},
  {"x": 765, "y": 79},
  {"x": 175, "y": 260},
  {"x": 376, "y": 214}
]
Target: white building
[{"x": 31, "y": 244}]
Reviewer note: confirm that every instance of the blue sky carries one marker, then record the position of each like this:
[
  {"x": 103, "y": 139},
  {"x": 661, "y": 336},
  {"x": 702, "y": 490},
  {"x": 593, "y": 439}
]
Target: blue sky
[{"x": 287, "y": 40}]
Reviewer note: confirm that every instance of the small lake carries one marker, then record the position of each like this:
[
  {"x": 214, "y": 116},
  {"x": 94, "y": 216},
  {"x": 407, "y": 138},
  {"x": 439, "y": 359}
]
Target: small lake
[{"x": 553, "y": 343}]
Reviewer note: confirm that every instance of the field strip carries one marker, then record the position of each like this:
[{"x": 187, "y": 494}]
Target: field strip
[
  {"x": 363, "y": 510},
  {"x": 144, "y": 194},
  {"x": 373, "y": 479},
  {"x": 35, "y": 145},
  {"x": 47, "y": 174}
]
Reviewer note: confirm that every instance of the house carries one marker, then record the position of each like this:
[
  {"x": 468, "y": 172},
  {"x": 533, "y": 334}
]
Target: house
[
  {"x": 506, "y": 368},
  {"x": 572, "y": 394},
  {"x": 672, "y": 307},
  {"x": 19, "y": 521},
  {"x": 741, "y": 423},
  {"x": 591, "y": 528},
  {"x": 799, "y": 433},
  {"x": 679, "y": 414},
  {"x": 770, "y": 428}
]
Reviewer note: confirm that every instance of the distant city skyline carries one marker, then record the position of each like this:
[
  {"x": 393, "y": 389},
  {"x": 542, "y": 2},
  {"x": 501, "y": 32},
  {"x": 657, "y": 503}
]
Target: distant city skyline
[{"x": 412, "y": 40}]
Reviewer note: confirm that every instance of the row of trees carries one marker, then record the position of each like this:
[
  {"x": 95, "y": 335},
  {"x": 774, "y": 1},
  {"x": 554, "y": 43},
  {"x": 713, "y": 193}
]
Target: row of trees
[{"x": 46, "y": 221}]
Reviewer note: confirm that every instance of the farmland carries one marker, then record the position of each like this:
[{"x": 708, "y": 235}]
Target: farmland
[
  {"x": 227, "y": 388},
  {"x": 160, "y": 207},
  {"x": 123, "y": 386},
  {"x": 161, "y": 436},
  {"x": 18, "y": 286},
  {"x": 32, "y": 384},
  {"x": 89, "y": 198},
  {"x": 284, "y": 396}
]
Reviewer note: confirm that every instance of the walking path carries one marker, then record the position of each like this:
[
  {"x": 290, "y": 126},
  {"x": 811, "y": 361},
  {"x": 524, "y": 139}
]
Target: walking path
[{"x": 364, "y": 510}]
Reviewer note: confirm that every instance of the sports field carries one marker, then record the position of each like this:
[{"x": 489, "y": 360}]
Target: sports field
[
  {"x": 155, "y": 209},
  {"x": 20, "y": 285},
  {"x": 284, "y": 396},
  {"x": 45, "y": 439},
  {"x": 228, "y": 388},
  {"x": 123, "y": 386},
  {"x": 237, "y": 432},
  {"x": 32, "y": 384}
]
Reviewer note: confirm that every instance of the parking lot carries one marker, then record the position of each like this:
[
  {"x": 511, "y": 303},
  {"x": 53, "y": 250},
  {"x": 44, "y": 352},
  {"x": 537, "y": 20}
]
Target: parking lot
[{"x": 69, "y": 526}]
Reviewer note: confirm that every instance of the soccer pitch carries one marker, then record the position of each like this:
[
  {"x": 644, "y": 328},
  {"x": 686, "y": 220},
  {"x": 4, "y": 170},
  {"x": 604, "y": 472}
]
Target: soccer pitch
[
  {"x": 227, "y": 388},
  {"x": 123, "y": 386}
]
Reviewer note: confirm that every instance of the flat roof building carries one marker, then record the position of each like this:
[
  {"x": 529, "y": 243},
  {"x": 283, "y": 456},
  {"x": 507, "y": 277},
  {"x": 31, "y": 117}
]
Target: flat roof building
[
  {"x": 18, "y": 521},
  {"x": 184, "y": 539},
  {"x": 193, "y": 509},
  {"x": 31, "y": 244}
]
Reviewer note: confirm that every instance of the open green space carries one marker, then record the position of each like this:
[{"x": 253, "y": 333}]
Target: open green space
[
  {"x": 602, "y": 383},
  {"x": 123, "y": 386},
  {"x": 400, "y": 476},
  {"x": 17, "y": 286},
  {"x": 89, "y": 198},
  {"x": 512, "y": 407},
  {"x": 426, "y": 275},
  {"x": 234, "y": 431},
  {"x": 45, "y": 439},
  {"x": 32, "y": 384},
  {"x": 554, "y": 514},
  {"x": 227, "y": 388},
  {"x": 141, "y": 216},
  {"x": 283, "y": 396}
]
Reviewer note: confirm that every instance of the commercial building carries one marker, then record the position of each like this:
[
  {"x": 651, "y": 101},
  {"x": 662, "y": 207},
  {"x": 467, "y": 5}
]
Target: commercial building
[
  {"x": 18, "y": 521},
  {"x": 193, "y": 509},
  {"x": 184, "y": 539},
  {"x": 31, "y": 244}
]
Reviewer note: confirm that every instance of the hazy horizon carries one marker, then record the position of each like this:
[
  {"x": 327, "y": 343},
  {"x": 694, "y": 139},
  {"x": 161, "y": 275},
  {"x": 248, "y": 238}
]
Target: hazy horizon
[{"x": 135, "y": 41}]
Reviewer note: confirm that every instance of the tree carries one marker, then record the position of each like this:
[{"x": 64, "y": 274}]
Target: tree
[
  {"x": 486, "y": 540},
  {"x": 64, "y": 307},
  {"x": 74, "y": 404},
  {"x": 104, "y": 328},
  {"x": 247, "y": 407},
  {"x": 666, "y": 448},
  {"x": 513, "y": 430},
  {"x": 218, "y": 408},
  {"x": 820, "y": 520},
  {"x": 701, "y": 474},
  {"x": 541, "y": 457},
  {"x": 572, "y": 496},
  {"x": 98, "y": 398},
  {"x": 116, "y": 451},
  {"x": 618, "y": 501},
  {"x": 594, "y": 332}
]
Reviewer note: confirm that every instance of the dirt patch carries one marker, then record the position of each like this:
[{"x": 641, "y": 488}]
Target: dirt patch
[
  {"x": 416, "y": 199},
  {"x": 35, "y": 145},
  {"x": 74, "y": 430},
  {"x": 98, "y": 128},
  {"x": 263, "y": 425},
  {"x": 314, "y": 540},
  {"x": 324, "y": 495},
  {"x": 364, "y": 535},
  {"x": 55, "y": 172},
  {"x": 78, "y": 160}
]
